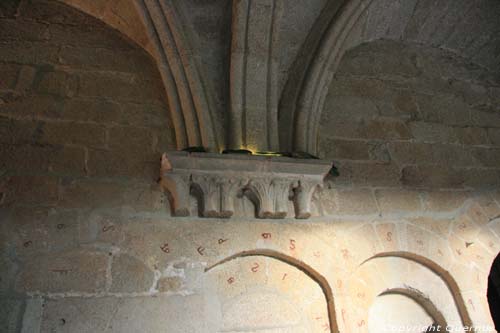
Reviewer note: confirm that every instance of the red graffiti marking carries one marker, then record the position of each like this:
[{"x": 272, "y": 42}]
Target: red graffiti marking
[
  {"x": 345, "y": 254},
  {"x": 27, "y": 244},
  {"x": 221, "y": 241},
  {"x": 165, "y": 248},
  {"x": 318, "y": 318},
  {"x": 201, "y": 250},
  {"x": 326, "y": 327},
  {"x": 284, "y": 276},
  {"x": 389, "y": 236},
  {"x": 471, "y": 304},
  {"x": 361, "y": 323},
  {"x": 266, "y": 235},
  {"x": 230, "y": 280},
  {"x": 108, "y": 228},
  {"x": 255, "y": 267},
  {"x": 292, "y": 244}
]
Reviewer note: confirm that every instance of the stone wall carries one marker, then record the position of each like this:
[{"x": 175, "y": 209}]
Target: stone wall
[
  {"x": 402, "y": 114},
  {"x": 88, "y": 243}
]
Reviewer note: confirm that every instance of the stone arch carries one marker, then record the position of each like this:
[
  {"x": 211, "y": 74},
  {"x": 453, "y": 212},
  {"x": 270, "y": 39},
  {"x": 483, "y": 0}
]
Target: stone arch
[
  {"x": 426, "y": 290},
  {"x": 361, "y": 21},
  {"x": 155, "y": 26},
  {"x": 308, "y": 270},
  {"x": 424, "y": 302}
]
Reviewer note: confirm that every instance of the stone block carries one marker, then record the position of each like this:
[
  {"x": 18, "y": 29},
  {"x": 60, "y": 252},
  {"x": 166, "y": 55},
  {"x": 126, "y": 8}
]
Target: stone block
[
  {"x": 397, "y": 201},
  {"x": 56, "y": 159},
  {"x": 169, "y": 284},
  {"x": 351, "y": 106},
  {"x": 444, "y": 201},
  {"x": 344, "y": 149},
  {"x": 43, "y": 229},
  {"x": 487, "y": 157},
  {"x": 32, "y": 315},
  {"x": 29, "y": 53},
  {"x": 404, "y": 153},
  {"x": 32, "y": 106},
  {"x": 433, "y": 132},
  {"x": 72, "y": 133},
  {"x": 25, "y": 79},
  {"x": 494, "y": 136},
  {"x": 80, "y": 193},
  {"x": 36, "y": 190},
  {"x": 130, "y": 275},
  {"x": 404, "y": 103},
  {"x": 376, "y": 174},
  {"x": 18, "y": 131},
  {"x": 133, "y": 140},
  {"x": 119, "y": 86},
  {"x": 62, "y": 84},
  {"x": 485, "y": 118},
  {"x": 101, "y": 111},
  {"x": 432, "y": 177},
  {"x": 9, "y": 8},
  {"x": 120, "y": 163},
  {"x": 355, "y": 202},
  {"x": 454, "y": 155},
  {"x": 485, "y": 178},
  {"x": 81, "y": 271},
  {"x": 473, "y": 136},
  {"x": 8, "y": 73},
  {"x": 385, "y": 129},
  {"x": 11, "y": 312},
  {"x": 173, "y": 314},
  {"x": 89, "y": 58}
]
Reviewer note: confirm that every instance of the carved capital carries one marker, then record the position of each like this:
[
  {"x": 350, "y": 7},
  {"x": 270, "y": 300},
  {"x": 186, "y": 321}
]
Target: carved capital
[
  {"x": 271, "y": 196},
  {"x": 217, "y": 179},
  {"x": 303, "y": 197}
]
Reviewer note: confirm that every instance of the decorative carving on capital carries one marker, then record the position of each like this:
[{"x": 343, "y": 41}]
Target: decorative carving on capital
[
  {"x": 303, "y": 196},
  {"x": 217, "y": 181}
]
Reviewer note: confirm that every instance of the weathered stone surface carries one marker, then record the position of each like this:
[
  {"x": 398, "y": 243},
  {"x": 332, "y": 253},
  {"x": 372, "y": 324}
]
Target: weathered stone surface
[
  {"x": 356, "y": 202},
  {"x": 32, "y": 190},
  {"x": 394, "y": 201},
  {"x": 74, "y": 271},
  {"x": 130, "y": 275},
  {"x": 11, "y": 312},
  {"x": 109, "y": 314}
]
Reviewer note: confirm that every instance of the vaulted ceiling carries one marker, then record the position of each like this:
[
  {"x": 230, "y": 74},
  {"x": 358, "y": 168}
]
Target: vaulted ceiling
[{"x": 255, "y": 73}]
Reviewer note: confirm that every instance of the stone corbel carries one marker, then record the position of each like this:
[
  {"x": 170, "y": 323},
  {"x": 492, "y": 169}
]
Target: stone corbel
[
  {"x": 217, "y": 180},
  {"x": 303, "y": 197},
  {"x": 271, "y": 196}
]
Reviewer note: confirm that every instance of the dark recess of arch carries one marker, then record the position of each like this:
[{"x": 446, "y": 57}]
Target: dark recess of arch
[
  {"x": 300, "y": 265},
  {"x": 494, "y": 292}
]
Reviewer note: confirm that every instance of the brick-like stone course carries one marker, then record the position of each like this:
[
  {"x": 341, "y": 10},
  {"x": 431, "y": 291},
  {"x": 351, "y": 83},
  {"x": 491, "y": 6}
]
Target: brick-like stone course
[{"x": 433, "y": 122}]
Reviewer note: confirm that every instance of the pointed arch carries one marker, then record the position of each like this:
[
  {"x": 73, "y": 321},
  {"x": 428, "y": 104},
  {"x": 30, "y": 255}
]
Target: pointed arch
[{"x": 300, "y": 265}]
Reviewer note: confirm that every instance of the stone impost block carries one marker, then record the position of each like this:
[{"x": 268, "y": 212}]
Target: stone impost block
[{"x": 218, "y": 180}]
